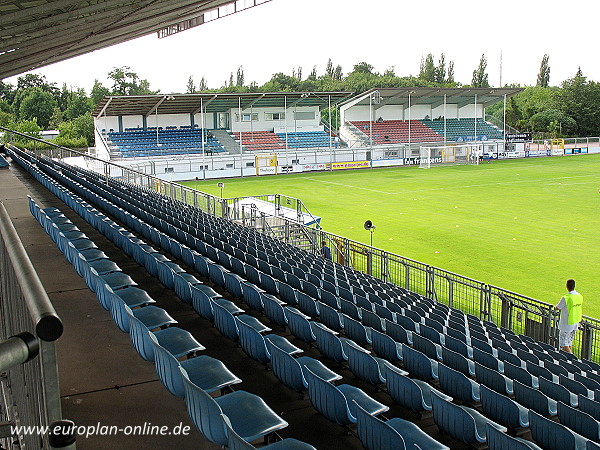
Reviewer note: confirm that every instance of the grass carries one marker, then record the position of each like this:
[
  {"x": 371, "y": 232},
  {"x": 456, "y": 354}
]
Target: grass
[{"x": 524, "y": 225}]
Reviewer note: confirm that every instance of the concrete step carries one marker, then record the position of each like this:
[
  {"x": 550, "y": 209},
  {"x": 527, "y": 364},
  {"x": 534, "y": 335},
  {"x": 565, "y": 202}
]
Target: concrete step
[{"x": 227, "y": 141}]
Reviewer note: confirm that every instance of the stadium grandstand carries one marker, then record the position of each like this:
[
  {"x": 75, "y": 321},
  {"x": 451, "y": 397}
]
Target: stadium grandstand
[
  {"x": 187, "y": 136},
  {"x": 138, "y": 313},
  {"x": 419, "y": 115},
  {"x": 201, "y": 124}
]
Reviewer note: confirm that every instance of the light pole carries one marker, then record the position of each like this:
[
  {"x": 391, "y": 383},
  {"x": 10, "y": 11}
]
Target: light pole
[{"x": 221, "y": 185}]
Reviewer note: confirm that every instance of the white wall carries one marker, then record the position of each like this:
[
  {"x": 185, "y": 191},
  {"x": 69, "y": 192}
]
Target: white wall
[
  {"x": 416, "y": 112},
  {"x": 278, "y": 126},
  {"x": 357, "y": 113},
  {"x": 167, "y": 120},
  {"x": 469, "y": 111},
  {"x": 208, "y": 120},
  {"x": 130, "y": 122},
  {"x": 387, "y": 112},
  {"x": 451, "y": 111}
]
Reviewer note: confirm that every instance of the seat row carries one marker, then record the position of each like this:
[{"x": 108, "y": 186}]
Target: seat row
[
  {"x": 314, "y": 367},
  {"x": 156, "y": 340},
  {"x": 242, "y": 327}
]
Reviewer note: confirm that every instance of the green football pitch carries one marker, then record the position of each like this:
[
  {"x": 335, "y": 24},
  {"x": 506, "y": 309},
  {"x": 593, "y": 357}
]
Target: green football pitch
[{"x": 524, "y": 225}]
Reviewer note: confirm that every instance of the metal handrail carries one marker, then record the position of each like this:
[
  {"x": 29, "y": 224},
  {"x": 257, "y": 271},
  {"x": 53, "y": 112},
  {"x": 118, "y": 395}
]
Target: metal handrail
[{"x": 48, "y": 325}]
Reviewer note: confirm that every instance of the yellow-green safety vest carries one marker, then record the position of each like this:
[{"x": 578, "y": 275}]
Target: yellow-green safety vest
[{"x": 574, "y": 306}]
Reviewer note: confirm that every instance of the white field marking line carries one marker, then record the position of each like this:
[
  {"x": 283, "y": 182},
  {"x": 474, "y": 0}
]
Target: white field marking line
[
  {"x": 448, "y": 187},
  {"x": 351, "y": 186},
  {"x": 583, "y": 182}
]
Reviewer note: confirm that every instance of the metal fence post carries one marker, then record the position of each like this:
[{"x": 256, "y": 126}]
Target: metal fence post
[{"x": 586, "y": 340}]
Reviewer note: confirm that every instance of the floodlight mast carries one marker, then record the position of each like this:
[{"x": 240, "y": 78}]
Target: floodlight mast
[{"x": 203, "y": 148}]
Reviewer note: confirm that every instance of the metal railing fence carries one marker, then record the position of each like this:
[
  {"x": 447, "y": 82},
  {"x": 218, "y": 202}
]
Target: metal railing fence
[{"x": 29, "y": 392}]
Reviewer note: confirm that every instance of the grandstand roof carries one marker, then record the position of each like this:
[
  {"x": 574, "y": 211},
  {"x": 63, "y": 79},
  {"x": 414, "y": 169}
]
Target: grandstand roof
[
  {"x": 35, "y": 33},
  {"x": 212, "y": 102},
  {"x": 435, "y": 96}
]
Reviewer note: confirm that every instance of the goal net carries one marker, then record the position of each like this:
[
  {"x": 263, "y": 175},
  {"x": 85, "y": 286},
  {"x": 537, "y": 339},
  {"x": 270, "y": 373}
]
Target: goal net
[
  {"x": 265, "y": 164},
  {"x": 450, "y": 155}
]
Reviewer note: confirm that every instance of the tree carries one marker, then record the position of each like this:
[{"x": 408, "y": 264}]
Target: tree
[
  {"x": 230, "y": 80},
  {"x": 440, "y": 70},
  {"x": 543, "y": 78},
  {"x": 39, "y": 105},
  {"x": 56, "y": 119},
  {"x": 580, "y": 99},
  {"x": 553, "y": 121},
  {"x": 202, "y": 86},
  {"x": 68, "y": 136},
  {"x": 313, "y": 74},
  {"x": 337, "y": 73},
  {"x": 190, "y": 88},
  {"x": 450, "y": 78},
  {"x": 480, "y": 76},
  {"x": 98, "y": 92},
  {"x": 78, "y": 103},
  {"x": 7, "y": 92},
  {"x": 363, "y": 67},
  {"x": 29, "y": 127},
  {"x": 427, "y": 70},
  {"x": 6, "y": 118},
  {"x": 239, "y": 79},
  {"x": 513, "y": 113},
  {"x": 127, "y": 82},
  {"x": 329, "y": 71},
  {"x": 281, "y": 82},
  {"x": 84, "y": 127}
]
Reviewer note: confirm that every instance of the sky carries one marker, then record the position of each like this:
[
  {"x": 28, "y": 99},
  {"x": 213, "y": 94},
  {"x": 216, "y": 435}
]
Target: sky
[{"x": 283, "y": 34}]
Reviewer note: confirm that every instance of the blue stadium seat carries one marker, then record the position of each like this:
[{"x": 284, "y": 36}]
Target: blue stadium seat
[
  {"x": 493, "y": 379},
  {"x": 520, "y": 374},
  {"x": 386, "y": 347},
  {"x": 534, "y": 399},
  {"x": 236, "y": 442},
  {"x": 557, "y": 392},
  {"x": 574, "y": 386},
  {"x": 328, "y": 343},
  {"x": 363, "y": 365},
  {"x": 331, "y": 317},
  {"x": 338, "y": 403},
  {"x": 540, "y": 372},
  {"x": 357, "y": 331},
  {"x": 409, "y": 392},
  {"x": 427, "y": 347},
  {"x": 248, "y": 414},
  {"x": 292, "y": 371},
  {"x": 460, "y": 422},
  {"x": 151, "y": 316},
  {"x": 498, "y": 440},
  {"x": 393, "y": 434},
  {"x": 458, "y": 385},
  {"x": 458, "y": 362},
  {"x": 398, "y": 332},
  {"x": 208, "y": 373},
  {"x": 254, "y": 343},
  {"x": 503, "y": 410},
  {"x": 419, "y": 365},
  {"x": 299, "y": 325},
  {"x": 552, "y": 435},
  {"x": 177, "y": 341},
  {"x": 579, "y": 421},
  {"x": 591, "y": 407},
  {"x": 274, "y": 309}
]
